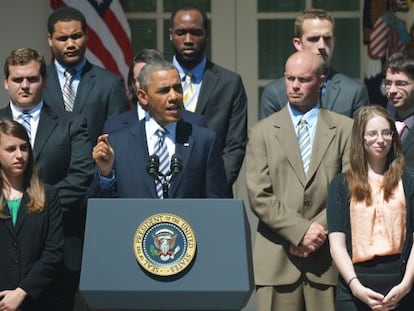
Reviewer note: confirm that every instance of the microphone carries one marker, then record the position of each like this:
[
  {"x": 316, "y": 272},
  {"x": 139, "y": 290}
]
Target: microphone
[
  {"x": 153, "y": 166},
  {"x": 176, "y": 166}
]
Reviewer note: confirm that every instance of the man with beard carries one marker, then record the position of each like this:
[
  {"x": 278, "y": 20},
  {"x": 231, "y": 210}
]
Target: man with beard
[
  {"x": 209, "y": 89},
  {"x": 314, "y": 32}
]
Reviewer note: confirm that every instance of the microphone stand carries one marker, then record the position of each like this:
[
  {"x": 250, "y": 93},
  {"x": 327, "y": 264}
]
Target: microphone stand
[{"x": 176, "y": 167}]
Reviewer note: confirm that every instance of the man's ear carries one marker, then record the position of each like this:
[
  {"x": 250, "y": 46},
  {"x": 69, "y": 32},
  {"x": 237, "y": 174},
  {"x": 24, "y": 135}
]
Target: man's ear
[
  {"x": 297, "y": 43},
  {"x": 142, "y": 98}
]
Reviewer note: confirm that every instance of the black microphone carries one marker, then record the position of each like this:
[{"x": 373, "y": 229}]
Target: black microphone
[
  {"x": 176, "y": 166},
  {"x": 153, "y": 166}
]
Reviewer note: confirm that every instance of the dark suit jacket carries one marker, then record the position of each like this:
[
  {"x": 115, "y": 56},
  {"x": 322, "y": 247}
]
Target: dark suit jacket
[
  {"x": 203, "y": 171},
  {"x": 286, "y": 201},
  {"x": 31, "y": 251},
  {"x": 63, "y": 154},
  {"x": 128, "y": 118},
  {"x": 100, "y": 94},
  {"x": 223, "y": 101},
  {"x": 408, "y": 150},
  {"x": 343, "y": 95}
]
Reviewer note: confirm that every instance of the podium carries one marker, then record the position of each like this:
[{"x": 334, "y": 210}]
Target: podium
[{"x": 220, "y": 276}]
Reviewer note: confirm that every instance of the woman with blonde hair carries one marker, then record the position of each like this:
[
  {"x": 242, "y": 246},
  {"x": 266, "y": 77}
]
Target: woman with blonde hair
[
  {"x": 370, "y": 219},
  {"x": 31, "y": 234}
]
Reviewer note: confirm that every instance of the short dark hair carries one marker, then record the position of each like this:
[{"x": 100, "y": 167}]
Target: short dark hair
[
  {"x": 401, "y": 62},
  {"x": 22, "y": 57},
  {"x": 65, "y": 14},
  {"x": 190, "y": 7},
  {"x": 145, "y": 56}
]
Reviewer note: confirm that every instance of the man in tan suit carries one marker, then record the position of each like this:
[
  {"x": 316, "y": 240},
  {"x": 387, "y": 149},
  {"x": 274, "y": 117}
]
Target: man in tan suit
[{"x": 287, "y": 182}]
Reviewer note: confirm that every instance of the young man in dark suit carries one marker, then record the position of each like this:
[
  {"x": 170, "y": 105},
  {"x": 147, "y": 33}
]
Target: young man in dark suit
[
  {"x": 218, "y": 93},
  {"x": 62, "y": 151},
  {"x": 399, "y": 88},
  {"x": 314, "y": 32},
  {"x": 98, "y": 93},
  {"x": 122, "y": 156}
]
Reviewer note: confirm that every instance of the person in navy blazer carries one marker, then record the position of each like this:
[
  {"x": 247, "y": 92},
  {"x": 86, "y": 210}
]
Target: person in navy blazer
[
  {"x": 122, "y": 156},
  {"x": 221, "y": 94},
  {"x": 314, "y": 31},
  {"x": 399, "y": 89},
  {"x": 30, "y": 225},
  {"x": 62, "y": 150},
  {"x": 100, "y": 93},
  {"x": 129, "y": 117}
]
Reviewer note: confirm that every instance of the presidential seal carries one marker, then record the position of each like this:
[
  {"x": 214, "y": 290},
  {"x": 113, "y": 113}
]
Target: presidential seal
[{"x": 164, "y": 244}]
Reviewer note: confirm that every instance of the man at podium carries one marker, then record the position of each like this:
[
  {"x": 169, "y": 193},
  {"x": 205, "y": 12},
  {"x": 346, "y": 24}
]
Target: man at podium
[{"x": 161, "y": 156}]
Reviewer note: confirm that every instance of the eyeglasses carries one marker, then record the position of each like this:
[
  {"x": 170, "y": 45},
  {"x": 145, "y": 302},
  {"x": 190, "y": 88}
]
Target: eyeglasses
[
  {"x": 399, "y": 84},
  {"x": 373, "y": 135}
]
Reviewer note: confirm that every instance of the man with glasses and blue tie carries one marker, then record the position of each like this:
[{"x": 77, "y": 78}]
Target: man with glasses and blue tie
[
  {"x": 398, "y": 86},
  {"x": 291, "y": 157},
  {"x": 122, "y": 157}
]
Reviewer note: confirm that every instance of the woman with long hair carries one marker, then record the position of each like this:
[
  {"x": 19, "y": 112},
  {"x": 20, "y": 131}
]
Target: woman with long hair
[
  {"x": 370, "y": 219},
  {"x": 31, "y": 234}
]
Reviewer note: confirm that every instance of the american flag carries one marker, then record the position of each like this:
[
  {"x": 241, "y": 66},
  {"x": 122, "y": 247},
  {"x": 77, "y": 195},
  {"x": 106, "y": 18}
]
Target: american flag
[{"x": 109, "y": 43}]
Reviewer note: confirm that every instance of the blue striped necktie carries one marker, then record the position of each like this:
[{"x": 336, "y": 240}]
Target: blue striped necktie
[
  {"x": 26, "y": 116},
  {"x": 304, "y": 144},
  {"x": 161, "y": 151},
  {"x": 68, "y": 89}
]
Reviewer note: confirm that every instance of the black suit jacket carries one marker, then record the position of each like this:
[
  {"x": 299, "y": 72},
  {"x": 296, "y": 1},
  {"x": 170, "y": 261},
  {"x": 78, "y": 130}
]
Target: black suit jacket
[
  {"x": 343, "y": 95},
  {"x": 223, "y": 101},
  {"x": 203, "y": 171},
  {"x": 63, "y": 154},
  {"x": 100, "y": 94},
  {"x": 128, "y": 118},
  {"x": 31, "y": 251},
  {"x": 408, "y": 150}
]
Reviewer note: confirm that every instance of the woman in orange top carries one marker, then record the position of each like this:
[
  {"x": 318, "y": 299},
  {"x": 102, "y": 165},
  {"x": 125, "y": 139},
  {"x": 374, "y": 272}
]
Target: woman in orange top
[{"x": 370, "y": 219}]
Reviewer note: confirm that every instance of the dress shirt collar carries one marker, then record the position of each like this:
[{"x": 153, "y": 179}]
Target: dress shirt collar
[
  {"x": 311, "y": 116},
  {"x": 151, "y": 126},
  {"x": 61, "y": 69},
  {"x": 196, "y": 71},
  {"x": 17, "y": 111}
]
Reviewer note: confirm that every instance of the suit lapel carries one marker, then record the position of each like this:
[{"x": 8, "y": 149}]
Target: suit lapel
[
  {"x": 332, "y": 90},
  {"x": 325, "y": 133},
  {"x": 408, "y": 140},
  {"x": 86, "y": 84},
  {"x": 47, "y": 123},
  {"x": 210, "y": 80},
  {"x": 136, "y": 141},
  {"x": 183, "y": 147},
  {"x": 22, "y": 214},
  {"x": 286, "y": 135},
  {"x": 53, "y": 89}
]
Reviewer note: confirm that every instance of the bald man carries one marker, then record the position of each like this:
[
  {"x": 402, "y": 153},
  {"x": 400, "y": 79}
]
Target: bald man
[{"x": 287, "y": 187}]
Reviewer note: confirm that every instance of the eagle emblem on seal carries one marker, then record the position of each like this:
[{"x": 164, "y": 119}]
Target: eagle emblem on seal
[{"x": 164, "y": 243}]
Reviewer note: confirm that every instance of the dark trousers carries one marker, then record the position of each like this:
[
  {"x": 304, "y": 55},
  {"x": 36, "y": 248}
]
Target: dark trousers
[{"x": 61, "y": 293}]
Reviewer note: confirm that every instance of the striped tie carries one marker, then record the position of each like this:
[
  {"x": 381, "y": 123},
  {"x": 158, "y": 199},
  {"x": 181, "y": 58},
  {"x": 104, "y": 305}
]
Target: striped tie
[
  {"x": 190, "y": 94},
  {"x": 304, "y": 144},
  {"x": 68, "y": 89},
  {"x": 162, "y": 152},
  {"x": 26, "y": 123}
]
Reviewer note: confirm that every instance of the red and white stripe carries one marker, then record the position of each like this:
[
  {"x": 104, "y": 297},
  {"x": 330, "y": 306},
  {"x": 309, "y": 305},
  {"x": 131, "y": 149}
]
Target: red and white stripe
[
  {"x": 109, "y": 43},
  {"x": 379, "y": 38}
]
